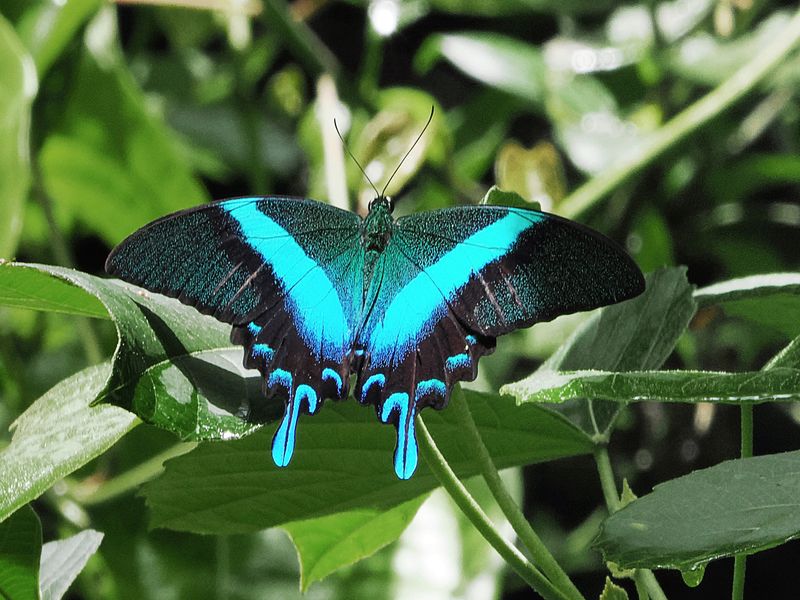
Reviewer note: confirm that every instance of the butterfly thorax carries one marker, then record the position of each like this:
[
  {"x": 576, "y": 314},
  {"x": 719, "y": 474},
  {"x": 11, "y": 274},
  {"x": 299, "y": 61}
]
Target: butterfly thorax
[{"x": 376, "y": 228}]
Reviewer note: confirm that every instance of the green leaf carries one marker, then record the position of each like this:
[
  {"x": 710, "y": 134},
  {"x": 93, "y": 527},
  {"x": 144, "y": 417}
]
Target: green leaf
[
  {"x": 342, "y": 462},
  {"x": 63, "y": 560},
  {"x": 173, "y": 367},
  {"x": 494, "y": 60},
  {"x": 774, "y": 384},
  {"x": 536, "y": 174},
  {"x": 24, "y": 287},
  {"x": 739, "y": 506},
  {"x": 611, "y": 591},
  {"x": 20, "y": 546},
  {"x": 47, "y": 28},
  {"x": 772, "y": 300},
  {"x": 18, "y": 74},
  {"x": 58, "y": 433},
  {"x": 497, "y": 197},
  {"x": 635, "y": 335},
  {"x": 111, "y": 163},
  {"x": 326, "y": 544}
]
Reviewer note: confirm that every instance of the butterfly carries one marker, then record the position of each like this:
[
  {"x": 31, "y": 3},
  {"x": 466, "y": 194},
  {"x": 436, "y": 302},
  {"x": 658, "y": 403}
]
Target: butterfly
[{"x": 316, "y": 294}]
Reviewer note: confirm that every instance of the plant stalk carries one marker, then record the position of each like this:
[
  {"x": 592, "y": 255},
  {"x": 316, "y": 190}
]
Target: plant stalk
[
  {"x": 687, "y": 121},
  {"x": 644, "y": 578},
  {"x": 453, "y": 486},
  {"x": 541, "y": 556}
]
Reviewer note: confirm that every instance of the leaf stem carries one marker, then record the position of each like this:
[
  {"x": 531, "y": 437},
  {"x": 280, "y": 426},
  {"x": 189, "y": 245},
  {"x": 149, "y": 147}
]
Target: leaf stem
[
  {"x": 453, "y": 486},
  {"x": 521, "y": 526},
  {"x": 130, "y": 479},
  {"x": 687, "y": 121},
  {"x": 740, "y": 560},
  {"x": 644, "y": 578}
]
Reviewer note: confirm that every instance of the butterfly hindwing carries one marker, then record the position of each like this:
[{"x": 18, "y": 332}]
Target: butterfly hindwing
[
  {"x": 286, "y": 273},
  {"x": 452, "y": 280}
]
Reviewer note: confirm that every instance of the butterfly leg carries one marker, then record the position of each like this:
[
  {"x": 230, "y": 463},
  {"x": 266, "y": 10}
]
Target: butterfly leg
[{"x": 406, "y": 452}]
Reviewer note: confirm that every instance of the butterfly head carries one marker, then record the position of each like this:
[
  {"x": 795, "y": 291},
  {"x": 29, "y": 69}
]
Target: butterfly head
[{"x": 384, "y": 202}]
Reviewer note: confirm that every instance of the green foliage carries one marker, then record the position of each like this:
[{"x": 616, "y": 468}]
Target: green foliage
[
  {"x": 670, "y": 128},
  {"x": 742, "y": 505}
]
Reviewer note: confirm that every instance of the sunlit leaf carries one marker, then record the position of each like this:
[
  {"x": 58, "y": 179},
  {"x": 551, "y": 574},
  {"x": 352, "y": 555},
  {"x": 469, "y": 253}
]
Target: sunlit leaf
[
  {"x": 780, "y": 384},
  {"x": 63, "y": 560},
  {"x": 494, "y": 60},
  {"x": 18, "y": 88},
  {"x": 59, "y": 433},
  {"x": 326, "y": 544}
]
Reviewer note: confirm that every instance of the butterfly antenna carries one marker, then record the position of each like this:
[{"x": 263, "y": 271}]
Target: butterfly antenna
[
  {"x": 416, "y": 141},
  {"x": 358, "y": 164}
]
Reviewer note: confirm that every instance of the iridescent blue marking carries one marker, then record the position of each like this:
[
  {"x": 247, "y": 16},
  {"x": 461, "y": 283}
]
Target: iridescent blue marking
[
  {"x": 328, "y": 373},
  {"x": 378, "y": 378},
  {"x": 471, "y": 339},
  {"x": 405, "y": 453},
  {"x": 263, "y": 351},
  {"x": 283, "y": 442},
  {"x": 457, "y": 361},
  {"x": 435, "y": 386},
  {"x": 282, "y": 377},
  {"x": 419, "y": 305},
  {"x": 311, "y": 297},
  {"x": 254, "y": 329}
]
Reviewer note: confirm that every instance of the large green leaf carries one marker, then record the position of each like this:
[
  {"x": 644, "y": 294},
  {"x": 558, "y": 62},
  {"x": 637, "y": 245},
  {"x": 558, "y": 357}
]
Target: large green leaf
[
  {"x": 63, "y": 560},
  {"x": 661, "y": 386},
  {"x": 18, "y": 88},
  {"x": 112, "y": 163},
  {"x": 772, "y": 299},
  {"x": 57, "y": 434},
  {"x": 742, "y": 505},
  {"x": 342, "y": 462},
  {"x": 20, "y": 547},
  {"x": 326, "y": 544},
  {"x": 634, "y": 335},
  {"x": 500, "y": 62}
]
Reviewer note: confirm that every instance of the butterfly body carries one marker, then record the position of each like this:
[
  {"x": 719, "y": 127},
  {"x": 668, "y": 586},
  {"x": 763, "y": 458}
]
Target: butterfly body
[{"x": 316, "y": 294}]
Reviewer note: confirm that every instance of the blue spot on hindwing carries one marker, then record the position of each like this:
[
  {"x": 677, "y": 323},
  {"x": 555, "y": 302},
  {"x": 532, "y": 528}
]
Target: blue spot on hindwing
[
  {"x": 283, "y": 442},
  {"x": 254, "y": 329},
  {"x": 457, "y": 361},
  {"x": 378, "y": 379},
  {"x": 263, "y": 351},
  {"x": 282, "y": 377},
  {"x": 328, "y": 373},
  {"x": 430, "y": 386},
  {"x": 405, "y": 453}
]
